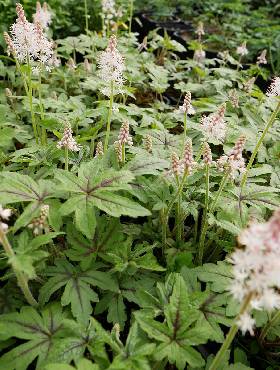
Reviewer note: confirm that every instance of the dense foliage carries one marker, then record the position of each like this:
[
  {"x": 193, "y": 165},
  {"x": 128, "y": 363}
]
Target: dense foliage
[{"x": 130, "y": 164}]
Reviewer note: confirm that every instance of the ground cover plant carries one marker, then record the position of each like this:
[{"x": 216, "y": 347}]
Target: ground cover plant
[{"x": 139, "y": 194}]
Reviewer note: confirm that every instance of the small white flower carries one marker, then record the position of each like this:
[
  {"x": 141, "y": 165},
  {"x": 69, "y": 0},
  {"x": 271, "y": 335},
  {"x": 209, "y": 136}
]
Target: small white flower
[
  {"x": 5, "y": 214},
  {"x": 246, "y": 323},
  {"x": 4, "y": 227}
]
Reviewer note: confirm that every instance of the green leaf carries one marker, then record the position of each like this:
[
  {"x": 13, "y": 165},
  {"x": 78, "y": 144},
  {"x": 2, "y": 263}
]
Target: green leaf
[
  {"x": 42, "y": 240},
  {"x": 42, "y": 332},
  {"x": 77, "y": 292},
  {"x": 219, "y": 275},
  {"x": 182, "y": 327},
  {"x": 116, "y": 205},
  {"x": 96, "y": 187},
  {"x": 22, "y": 188},
  {"x": 85, "y": 218},
  {"x": 146, "y": 164}
]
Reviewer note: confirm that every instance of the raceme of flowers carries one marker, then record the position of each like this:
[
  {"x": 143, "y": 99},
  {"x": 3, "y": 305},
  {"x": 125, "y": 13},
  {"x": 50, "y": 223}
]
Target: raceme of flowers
[
  {"x": 214, "y": 125},
  {"x": 109, "y": 13},
  {"x": 42, "y": 15},
  {"x": 256, "y": 269},
  {"x": 111, "y": 64},
  {"x": 233, "y": 162},
  {"x": 242, "y": 49},
  {"x": 184, "y": 165},
  {"x": 99, "y": 152},
  {"x": 67, "y": 140},
  {"x": 40, "y": 224},
  {"x": 123, "y": 138},
  {"x": 28, "y": 43},
  {"x": 261, "y": 59},
  {"x": 187, "y": 106}
]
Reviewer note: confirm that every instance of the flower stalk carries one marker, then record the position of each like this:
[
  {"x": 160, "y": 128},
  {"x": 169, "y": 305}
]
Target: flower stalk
[
  {"x": 259, "y": 143},
  {"x": 169, "y": 208},
  {"x": 131, "y": 8},
  {"x": 211, "y": 209},
  {"x": 108, "y": 128},
  {"x": 86, "y": 15}
]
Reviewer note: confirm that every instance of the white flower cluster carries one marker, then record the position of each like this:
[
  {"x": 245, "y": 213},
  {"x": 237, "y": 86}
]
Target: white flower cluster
[
  {"x": 39, "y": 224},
  {"x": 5, "y": 214},
  {"x": 207, "y": 154},
  {"x": 67, "y": 140},
  {"x": 42, "y": 15},
  {"x": 256, "y": 269},
  {"x": 184, "y": 165},
  {"x": 242, "y": 49},
  {"x": 274, "y": 88},
  {"x": 187, "y": 104},
  {"x": 111, "y": 64},
  {"x": 261, "y": 59},
  {"x": 99, "y": 152},
  {"x": 214, "y": 126},
  {"x": 199, "y": 56},
  {"x": 109, "y": 12},
  {"x": 233, "y": 162},
  {"x": 124, "y": 135},
  {"x": 28, "y": 43},
  {"x": 233, "y": 98}
]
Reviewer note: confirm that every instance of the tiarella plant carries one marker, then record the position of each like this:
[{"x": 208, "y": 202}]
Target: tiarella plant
[{"x": 139, "y": 192}]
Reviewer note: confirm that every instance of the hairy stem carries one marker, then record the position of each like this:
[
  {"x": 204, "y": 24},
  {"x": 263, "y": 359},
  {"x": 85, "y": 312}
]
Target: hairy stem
[
  {"x": 169, "y": 208},
  {"x": 86, "y": 16},
  {"x": 130, "y": 15},
  {"x": 109, "y": 118},
  {"x": 185, "y": 132},
  {"x": 179, "y": 223},
  {"x": 123, "y": 153},
  {"x": 204, "y": 217},
  {"x": 30, "y": 99},
  {"x": 42, "y": 111},
  {"x": 66, "y": 158}
]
